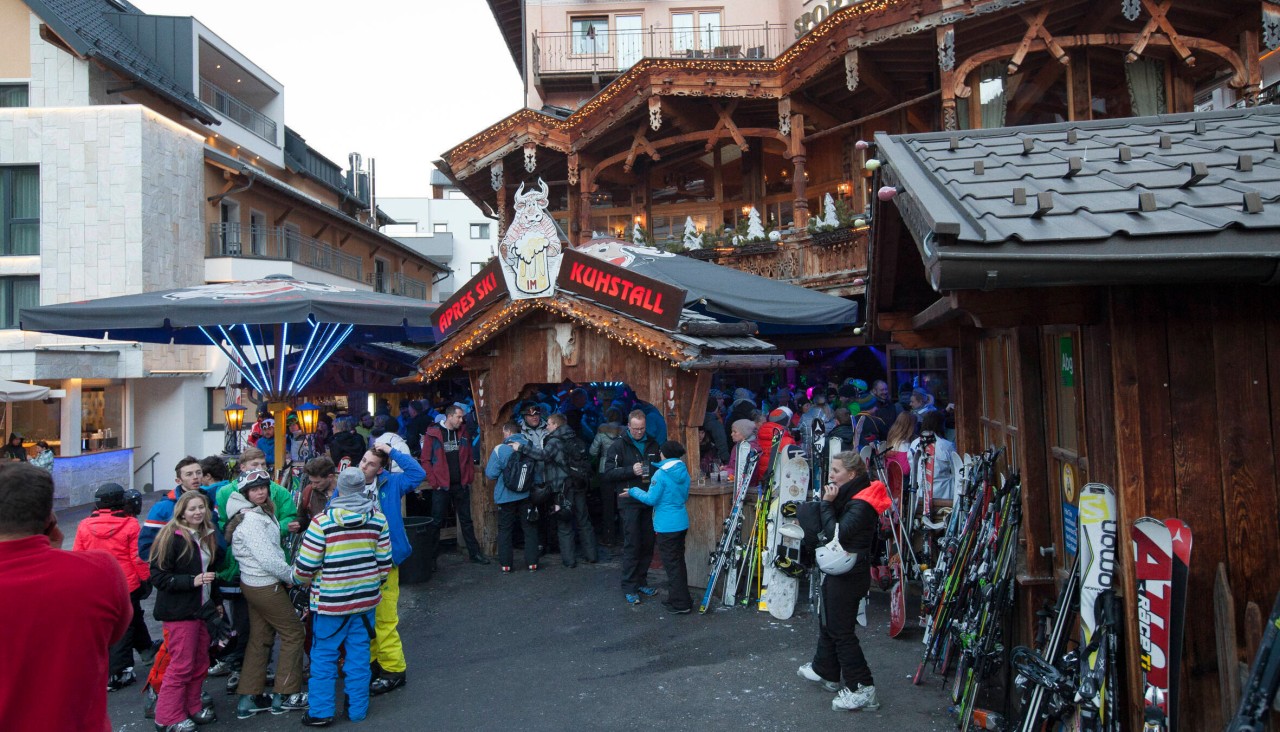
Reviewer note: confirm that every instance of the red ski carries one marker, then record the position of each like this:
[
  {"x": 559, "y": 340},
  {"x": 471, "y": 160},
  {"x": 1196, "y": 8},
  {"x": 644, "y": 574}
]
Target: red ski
[
  {"x": 897, "y": 591},
  {"x": 1153, "y": 569}
]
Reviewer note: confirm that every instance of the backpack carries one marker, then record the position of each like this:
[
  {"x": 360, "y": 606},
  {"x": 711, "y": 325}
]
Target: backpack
[
  {"x": 577, "y": 461},
  {"x": 518, "y": 474}
]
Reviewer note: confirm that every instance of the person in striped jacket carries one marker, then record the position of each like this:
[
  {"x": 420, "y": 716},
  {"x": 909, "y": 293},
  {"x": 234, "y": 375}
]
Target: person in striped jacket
[{"x": 345, "y": 556}]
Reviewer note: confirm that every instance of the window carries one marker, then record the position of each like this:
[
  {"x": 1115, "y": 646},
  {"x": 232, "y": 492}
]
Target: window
[
  {"x": 13, "y": 95},
  {"x": 590, "y": 35},
  {"x": 476, "y": 267},
  {"x": 998, "y": 419},
  {"x": 19, "y": 210},
  {"x": 17, "y": 293},
  {"x": 479, "y": 231},
  {"x": 440, "y": 228},
  {"x": 697, "y": 33},
  {"x": 381, "y": 280},
  {"x": 258, "y": 233}
]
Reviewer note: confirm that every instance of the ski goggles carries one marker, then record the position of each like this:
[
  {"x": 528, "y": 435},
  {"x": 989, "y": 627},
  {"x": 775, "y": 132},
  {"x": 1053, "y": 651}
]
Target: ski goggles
[{"x": 252, "y": 475}]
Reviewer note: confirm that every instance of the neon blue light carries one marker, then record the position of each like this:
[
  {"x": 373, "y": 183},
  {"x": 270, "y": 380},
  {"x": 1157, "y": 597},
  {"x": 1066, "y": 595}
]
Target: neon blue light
[
  {"x": 284, "y": 351},
  {"x": 305, "y": 350},
  {"x": 327, "y": 347},
  {"x": 233, "y": 358},
  {"x": 258, "y": 358},
  {"x": 315, "y": 368},
  {"x": 331, "y": 330}
]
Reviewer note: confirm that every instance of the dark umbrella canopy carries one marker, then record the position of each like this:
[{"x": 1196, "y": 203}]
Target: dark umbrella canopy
[
  {"x": 186, "y": 315},
  {"x": 727, "y": 291}
]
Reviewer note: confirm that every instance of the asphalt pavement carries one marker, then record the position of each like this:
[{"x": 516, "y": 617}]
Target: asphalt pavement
[{"x": 559, "y": 649}]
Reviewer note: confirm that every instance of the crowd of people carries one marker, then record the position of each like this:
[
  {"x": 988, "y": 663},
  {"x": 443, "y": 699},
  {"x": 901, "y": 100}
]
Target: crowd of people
[{"x": 237, "y": 561}]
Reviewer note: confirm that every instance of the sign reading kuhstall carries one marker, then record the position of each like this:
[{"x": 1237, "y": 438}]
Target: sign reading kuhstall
[{"x": 643, "y": 298}]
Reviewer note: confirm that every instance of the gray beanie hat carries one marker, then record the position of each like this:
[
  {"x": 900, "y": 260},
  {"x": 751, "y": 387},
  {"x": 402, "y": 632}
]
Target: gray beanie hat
[
  {"x": 350, "y": 482},
  {"x": 746, "y": 427}
]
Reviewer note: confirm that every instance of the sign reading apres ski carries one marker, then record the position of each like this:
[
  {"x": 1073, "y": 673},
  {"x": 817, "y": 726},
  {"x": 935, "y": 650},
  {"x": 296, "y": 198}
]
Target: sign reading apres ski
[{"x": 487, "y": 286}]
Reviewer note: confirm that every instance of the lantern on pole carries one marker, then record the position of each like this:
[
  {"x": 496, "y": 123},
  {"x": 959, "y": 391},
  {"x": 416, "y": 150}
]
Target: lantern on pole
[
  {"x": 308, "y": 417},
  {"x": 234, "y": 417}
]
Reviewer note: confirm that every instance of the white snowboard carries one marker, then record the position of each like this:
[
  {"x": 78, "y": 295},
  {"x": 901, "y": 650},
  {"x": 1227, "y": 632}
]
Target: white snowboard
[{"x": 792, "y": 483}]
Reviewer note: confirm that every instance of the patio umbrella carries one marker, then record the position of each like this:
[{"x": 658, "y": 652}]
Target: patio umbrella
[
  {"x": 13, "y": 391},
  {"x": 253, "y": 322}
]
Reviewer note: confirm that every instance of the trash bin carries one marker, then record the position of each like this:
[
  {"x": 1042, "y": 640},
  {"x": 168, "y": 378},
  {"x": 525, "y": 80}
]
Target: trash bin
[{"x": 418, "y": 567}]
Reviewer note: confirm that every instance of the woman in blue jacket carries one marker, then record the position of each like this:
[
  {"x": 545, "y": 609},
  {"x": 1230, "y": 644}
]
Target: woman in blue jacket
[{"x": 668, "y": 492}]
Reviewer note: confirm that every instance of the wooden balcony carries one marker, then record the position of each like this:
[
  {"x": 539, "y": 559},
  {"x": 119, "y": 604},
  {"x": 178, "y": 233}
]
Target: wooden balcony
[{"x": 834, "y": 263}]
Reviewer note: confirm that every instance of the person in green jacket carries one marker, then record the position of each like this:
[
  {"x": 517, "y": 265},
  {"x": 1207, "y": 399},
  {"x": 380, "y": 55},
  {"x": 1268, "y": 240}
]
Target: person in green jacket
[{"x": 252, "y": 462}]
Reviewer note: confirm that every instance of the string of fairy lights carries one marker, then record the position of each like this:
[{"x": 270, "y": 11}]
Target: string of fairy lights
[
  {"x": 614, "y": 327},
  {"x": 817, "y": 36}
]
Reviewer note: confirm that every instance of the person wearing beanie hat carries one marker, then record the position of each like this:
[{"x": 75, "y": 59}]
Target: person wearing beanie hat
[
  {"x": 668, "y": 493},
  {"x": 781, "y": 415},
  {"x": 346, "y": 557},
  {"x": 112, "y": 530}
]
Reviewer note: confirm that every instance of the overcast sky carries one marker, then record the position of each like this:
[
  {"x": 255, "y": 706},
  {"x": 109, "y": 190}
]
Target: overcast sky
[{"x": 398, "y": 81}]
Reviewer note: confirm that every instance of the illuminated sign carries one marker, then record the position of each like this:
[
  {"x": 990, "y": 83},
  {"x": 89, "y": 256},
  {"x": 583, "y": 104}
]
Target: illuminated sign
[
  {"x": 643, "y": 298},
  {"x": 488, "y": 285}
]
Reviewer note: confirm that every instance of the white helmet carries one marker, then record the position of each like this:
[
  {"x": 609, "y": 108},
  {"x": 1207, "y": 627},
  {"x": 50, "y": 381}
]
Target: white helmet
[{"x": 833, "y": 559}]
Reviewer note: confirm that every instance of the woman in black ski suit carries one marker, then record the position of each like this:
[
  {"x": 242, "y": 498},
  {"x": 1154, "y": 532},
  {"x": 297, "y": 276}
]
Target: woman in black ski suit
[{"x": 853, "y": 503}]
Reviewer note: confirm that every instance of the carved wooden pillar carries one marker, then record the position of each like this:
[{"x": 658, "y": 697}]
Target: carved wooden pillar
[
  {"x": 585, "y": 184},
  {"x": 946, "y": 36},
  {"x": 498, "y": 181},
  {"x": 801, "y": 205}
]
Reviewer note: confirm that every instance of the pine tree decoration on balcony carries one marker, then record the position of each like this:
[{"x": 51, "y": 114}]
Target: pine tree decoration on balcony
[{"x": 692, "y": 238}]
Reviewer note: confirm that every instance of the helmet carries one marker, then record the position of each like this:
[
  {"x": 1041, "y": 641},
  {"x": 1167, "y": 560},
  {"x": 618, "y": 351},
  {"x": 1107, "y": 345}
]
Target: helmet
[
  {"x": 109, "y": 495},
  {"x": 132, "y": 502},
  {"x": 833, "y": 559}
]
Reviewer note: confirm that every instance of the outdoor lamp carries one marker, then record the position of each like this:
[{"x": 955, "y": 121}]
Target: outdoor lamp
[
  {"x": 234, "y": 416},
  {"x": 308, "y": 417}
]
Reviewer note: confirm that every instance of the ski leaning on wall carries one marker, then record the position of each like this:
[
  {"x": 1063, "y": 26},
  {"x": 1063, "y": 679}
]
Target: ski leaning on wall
[{"x": 1098, "y": 679}]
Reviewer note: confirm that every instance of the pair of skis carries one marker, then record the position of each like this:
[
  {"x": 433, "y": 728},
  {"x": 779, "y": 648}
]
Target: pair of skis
[
  {"x": 1161, "y": 555},
  {"x": 730, "y": 538}
]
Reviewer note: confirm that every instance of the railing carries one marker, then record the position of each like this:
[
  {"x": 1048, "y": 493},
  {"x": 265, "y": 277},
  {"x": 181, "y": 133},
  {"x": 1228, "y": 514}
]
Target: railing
[
  {"x": 152, "y": 462},
  {"x": 838, "y": 269},
  {"x": 281, "y": 243},
  {"x": 226, "y": 104},
  {"x": 611, "y": 51},
  {"x": 397, "y": 284}
]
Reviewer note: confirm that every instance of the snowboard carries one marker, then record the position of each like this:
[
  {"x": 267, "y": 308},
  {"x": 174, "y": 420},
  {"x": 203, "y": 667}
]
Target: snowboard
[
  {"x": 1153, "y": 570},
  {"x": 1180, "y": 537},
  {"x": 1098, "y": 558},
  {"x": 791, "y": 484},
  {"x": 897, "y": 578}
]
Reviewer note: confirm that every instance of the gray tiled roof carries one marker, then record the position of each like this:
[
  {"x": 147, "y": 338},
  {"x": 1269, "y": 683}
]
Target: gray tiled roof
[
  {"x": 1167, "y": 198},
  {"x": 86, "y": 26}
]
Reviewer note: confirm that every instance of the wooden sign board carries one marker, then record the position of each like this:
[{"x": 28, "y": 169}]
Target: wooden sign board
[
  {"x": 640, "y": 297},
  {"x": 487, "y": 286}
]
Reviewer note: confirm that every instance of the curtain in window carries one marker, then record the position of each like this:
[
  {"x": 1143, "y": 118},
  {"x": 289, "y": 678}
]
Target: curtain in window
[
  {"x": 991, "y": 96},
  {"x": 1146, "y": 86},
  {"x": 13, "y": 95},
  {"x": 24, "y": 227},
  {"x": 26, "y": 294}
]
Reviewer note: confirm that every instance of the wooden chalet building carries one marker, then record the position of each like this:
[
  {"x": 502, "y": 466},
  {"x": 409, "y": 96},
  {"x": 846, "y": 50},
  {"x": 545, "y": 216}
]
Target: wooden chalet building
[
  {"x": 634, "y": 121},
  {"x": 1109, "y": 290}
]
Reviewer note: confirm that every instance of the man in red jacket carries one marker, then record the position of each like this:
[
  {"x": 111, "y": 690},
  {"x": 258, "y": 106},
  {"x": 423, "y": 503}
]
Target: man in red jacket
[
  {"x": 62, "y": 611},
  {"x": 446, "y": 456},
  {"x": 111, "y": 529}
]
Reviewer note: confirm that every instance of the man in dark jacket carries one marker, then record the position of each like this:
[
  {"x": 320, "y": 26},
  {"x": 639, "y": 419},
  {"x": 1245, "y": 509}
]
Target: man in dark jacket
[
  {"x": 628, "y": 463},
  {"x": 346, "y": 444},
  {"x": 446, "y": 456},
  {"x": 562, "y": 449},
  {"x": 417, "y": 425}
]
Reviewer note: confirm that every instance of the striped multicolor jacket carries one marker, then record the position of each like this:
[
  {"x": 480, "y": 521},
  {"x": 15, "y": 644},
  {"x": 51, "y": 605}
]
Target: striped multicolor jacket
[{"x": 345, "y": 556}]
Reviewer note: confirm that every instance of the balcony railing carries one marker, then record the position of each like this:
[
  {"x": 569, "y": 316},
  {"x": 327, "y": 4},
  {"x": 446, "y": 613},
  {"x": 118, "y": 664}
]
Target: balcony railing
[
  {"x": 800, "y": 259},
  {"x": 226, "y": 104},
  {"x": 280, "y": 243},
  {"x": 398, "y": 284},
  {"x": 611, "y": 52}
]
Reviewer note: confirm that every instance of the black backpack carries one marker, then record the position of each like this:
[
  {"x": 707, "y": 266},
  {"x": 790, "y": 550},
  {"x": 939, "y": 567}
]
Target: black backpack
[
  {"x": 518, "y": 475},
  {"x": 577, "y": 461}
]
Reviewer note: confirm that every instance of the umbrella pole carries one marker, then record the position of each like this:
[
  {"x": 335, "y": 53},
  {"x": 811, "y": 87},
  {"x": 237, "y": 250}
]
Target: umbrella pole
[{"x": 280, "y": 410}]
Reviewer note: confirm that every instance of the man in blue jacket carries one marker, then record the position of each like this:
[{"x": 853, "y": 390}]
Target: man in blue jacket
[{"x": 386, "y": 651}]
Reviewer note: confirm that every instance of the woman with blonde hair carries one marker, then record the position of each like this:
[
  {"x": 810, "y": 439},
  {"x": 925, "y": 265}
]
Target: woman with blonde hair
[{"x": 182, "y": 557}]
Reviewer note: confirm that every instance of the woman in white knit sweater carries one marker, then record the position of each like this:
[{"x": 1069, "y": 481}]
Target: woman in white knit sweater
[{"x": 265, "y": 578}]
